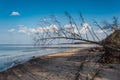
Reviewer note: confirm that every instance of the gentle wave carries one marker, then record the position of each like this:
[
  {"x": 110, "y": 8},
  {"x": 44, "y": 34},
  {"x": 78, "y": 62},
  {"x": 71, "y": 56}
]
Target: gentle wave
[{"x": 15, "y": 54}]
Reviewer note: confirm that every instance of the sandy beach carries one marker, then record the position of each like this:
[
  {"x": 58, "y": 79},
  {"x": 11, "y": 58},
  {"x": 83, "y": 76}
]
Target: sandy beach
[{"x": 67, "y": 65}]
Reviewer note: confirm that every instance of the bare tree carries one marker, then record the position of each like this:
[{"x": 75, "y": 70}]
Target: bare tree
[
  {"x": 115, "y": 25},
  {"x": 56, "y": 31},
  {"x": 69, "y": 32}
]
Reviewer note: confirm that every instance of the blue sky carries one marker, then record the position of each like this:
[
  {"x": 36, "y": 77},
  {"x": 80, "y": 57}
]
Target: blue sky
[{"x": 17, "y": 13}]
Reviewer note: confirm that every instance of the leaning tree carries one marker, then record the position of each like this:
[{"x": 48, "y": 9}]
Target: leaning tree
[
  {"x": 112, "y": 40},
  {"x": 81, "y": 31}
]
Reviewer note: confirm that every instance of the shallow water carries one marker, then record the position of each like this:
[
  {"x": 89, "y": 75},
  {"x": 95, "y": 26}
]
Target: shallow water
[{"x": 13, "y": 54}]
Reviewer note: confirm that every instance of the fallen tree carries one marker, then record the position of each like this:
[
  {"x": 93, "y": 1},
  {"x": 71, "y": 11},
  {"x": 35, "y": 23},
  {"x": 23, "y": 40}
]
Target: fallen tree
[{"x": 49, "y": 35}]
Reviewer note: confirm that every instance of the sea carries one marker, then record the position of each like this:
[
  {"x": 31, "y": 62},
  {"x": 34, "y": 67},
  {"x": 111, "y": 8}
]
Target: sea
[{"x": 14, "y": 54}]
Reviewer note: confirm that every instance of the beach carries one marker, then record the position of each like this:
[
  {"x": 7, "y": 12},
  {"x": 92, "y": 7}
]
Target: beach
[{"x": 67, "y": 65}]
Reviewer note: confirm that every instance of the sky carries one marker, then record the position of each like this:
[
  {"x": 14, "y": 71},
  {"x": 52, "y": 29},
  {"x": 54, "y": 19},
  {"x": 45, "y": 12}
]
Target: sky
[{"x": 20, "y": 17}]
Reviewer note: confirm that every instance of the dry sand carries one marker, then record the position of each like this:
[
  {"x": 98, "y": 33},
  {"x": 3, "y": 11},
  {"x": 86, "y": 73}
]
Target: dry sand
[{"x": 60, "y": 66}]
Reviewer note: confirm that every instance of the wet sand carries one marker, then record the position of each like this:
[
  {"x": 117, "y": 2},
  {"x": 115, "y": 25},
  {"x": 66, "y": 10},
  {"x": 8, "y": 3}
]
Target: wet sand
[{"x": 60, "y": 66}]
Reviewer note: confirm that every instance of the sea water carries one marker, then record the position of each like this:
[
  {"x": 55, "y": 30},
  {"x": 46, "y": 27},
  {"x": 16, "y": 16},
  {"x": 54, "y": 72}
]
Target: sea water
[{"x": 14, "y": 54}]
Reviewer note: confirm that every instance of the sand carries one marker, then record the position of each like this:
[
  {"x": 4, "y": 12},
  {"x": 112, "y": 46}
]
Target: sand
[{"x": 67, "y": 65}]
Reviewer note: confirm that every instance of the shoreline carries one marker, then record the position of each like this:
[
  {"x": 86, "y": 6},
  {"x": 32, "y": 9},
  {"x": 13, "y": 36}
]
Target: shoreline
[{"x": 56, "y": 66}]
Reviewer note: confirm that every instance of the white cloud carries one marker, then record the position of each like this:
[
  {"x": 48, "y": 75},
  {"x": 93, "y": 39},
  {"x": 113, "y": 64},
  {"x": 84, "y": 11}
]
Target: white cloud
[
  {"x": 39, "y": 29},
  {"x": 22, "y": 30},
  {"x": 12, "y": 30},
  {"x": 71, "y": 28},
  {"x": 15, "y": 13},
  {"x": 28, "y": 30},
  {"x": 85, "y": 28},
  {"x": 100, "y": 31},
  {"x": 52, "y": 28}
]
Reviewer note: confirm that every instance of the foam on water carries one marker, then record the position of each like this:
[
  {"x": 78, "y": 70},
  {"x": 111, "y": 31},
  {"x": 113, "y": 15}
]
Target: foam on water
[{"x": 11, "y": 55}]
